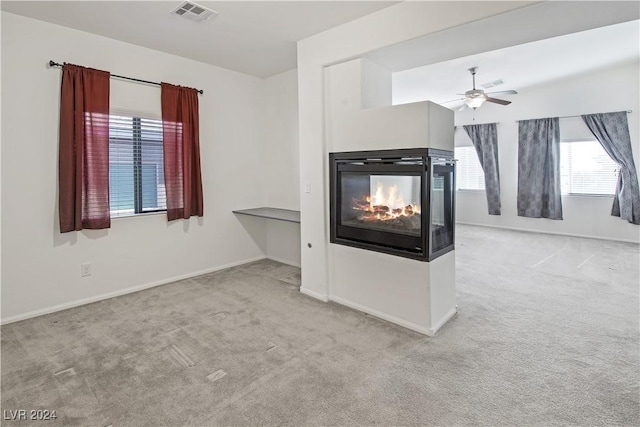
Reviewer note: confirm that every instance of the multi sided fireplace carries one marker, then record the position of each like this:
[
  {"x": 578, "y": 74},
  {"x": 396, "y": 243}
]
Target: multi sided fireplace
[{"x": 399, "y": 202}]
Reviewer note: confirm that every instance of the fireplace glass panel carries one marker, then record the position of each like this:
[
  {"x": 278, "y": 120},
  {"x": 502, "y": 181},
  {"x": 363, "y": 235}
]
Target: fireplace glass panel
[
  {"x": 389, "y": 203},
  {"x": 441, "y": 206},
  {"x": 399, "y": 202}
]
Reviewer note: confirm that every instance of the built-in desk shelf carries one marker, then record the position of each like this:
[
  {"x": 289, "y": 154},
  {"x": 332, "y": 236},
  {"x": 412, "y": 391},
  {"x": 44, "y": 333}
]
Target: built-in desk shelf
[{"x": 272, "y": 213}]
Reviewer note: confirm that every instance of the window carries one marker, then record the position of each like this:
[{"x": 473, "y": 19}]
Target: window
[
  {"x": 469, "y": 172},
  {"x": 586, "y": 169},
  {"x": 136, "y": 166}
]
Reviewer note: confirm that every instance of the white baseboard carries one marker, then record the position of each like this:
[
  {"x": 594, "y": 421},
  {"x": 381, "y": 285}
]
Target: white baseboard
[
  {"x": 314, "y": 294},
  {"x": 120, "y": 292},
  {"x": 558, "y": 233},
  {"x": 283, "y": 261},
  {"x": 393, "y": 319},
  {"x": 444, "y": 320}
]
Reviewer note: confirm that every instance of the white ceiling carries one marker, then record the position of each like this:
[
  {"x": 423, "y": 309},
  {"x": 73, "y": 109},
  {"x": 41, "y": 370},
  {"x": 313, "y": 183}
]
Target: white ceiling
[
  {"x": 259, "y": 38},
  {"x": 521, "y": 66},
  {"x": 253, "y": 37}
]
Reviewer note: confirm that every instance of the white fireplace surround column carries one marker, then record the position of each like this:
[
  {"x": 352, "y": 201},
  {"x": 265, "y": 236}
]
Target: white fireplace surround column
[{"x": 359, "y": 116}]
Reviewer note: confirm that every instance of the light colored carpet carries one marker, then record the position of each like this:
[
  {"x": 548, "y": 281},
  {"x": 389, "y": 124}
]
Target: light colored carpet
[{"x": 547, "y": 334}]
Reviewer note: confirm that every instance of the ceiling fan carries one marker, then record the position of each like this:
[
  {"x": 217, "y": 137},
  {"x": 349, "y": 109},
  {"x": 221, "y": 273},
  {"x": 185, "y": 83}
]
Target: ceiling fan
[{"x": 474, "y": 98}]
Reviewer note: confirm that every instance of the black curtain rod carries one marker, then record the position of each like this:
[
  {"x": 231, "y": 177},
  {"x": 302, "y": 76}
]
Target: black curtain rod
[
  {"x": 570, "y": 117},
  {"x": 489, "y": 123},
  {"x": 55, "y": 64}
]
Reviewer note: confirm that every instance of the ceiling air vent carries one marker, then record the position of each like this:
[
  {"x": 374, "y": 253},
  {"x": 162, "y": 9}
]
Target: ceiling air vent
[
  {"x": 194, "y": 12},
  {"x": 492, "y": 84}
]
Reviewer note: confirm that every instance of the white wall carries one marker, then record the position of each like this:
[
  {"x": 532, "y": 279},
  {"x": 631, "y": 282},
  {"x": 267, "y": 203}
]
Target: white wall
[
  {"x": 282, "y": 168},
  {"x": 613, "y": 89},
  {"x": 41, "y": 267}
]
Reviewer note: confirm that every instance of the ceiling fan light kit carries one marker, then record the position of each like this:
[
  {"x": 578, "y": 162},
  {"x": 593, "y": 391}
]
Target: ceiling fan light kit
[{"x": 475, "y": 101}]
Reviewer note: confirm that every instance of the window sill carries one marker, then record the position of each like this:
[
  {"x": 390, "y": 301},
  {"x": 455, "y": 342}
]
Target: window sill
[
  {"x": 139, "y": 215},
  {"x": 588, "y": 196}
]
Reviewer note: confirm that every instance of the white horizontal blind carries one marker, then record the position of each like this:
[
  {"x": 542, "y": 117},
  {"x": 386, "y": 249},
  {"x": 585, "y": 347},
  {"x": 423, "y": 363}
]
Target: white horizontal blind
[
  {"x": 586, "y": 169},
  {"x": 469, "y": 174},
  {"x": 136, "y": 165}
]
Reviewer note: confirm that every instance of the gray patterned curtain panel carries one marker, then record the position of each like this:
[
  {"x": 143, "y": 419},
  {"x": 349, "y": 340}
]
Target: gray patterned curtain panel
[
  {"x": 539, "y": 169},
  {"x": 612, "y": 131},
  {"x": 485, "y": 140}
]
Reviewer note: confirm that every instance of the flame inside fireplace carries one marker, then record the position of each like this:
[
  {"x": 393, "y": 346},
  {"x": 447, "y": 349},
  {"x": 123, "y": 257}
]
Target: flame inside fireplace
[{"x": 386, "y": 204}]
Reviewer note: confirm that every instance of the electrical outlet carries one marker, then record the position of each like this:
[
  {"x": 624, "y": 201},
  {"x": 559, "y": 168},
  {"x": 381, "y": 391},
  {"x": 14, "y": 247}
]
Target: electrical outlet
[{"x": 85, "y": 270}]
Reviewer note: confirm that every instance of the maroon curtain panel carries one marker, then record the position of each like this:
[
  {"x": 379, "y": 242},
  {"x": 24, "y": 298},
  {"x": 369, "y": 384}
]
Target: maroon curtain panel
[
  {"x": 181, "y": 141},
  {"x": 83, "y": 169}
]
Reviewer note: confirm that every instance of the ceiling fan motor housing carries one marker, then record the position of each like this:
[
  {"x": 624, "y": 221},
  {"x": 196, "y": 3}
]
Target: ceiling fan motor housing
[{"x": 474, "y": 93}]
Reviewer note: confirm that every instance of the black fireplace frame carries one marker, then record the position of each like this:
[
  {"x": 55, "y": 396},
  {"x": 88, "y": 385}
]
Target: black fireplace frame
[{"x": 416, "y": 162}]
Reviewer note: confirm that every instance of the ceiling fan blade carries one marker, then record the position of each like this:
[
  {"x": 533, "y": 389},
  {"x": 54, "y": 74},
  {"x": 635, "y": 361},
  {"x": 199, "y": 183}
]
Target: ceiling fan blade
[
  {"x": 464, "y": 107},
  {"x": 498, "y": 101},
  {"x": 503, "y": 92}
]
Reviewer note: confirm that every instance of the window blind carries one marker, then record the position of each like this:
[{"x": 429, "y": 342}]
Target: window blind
[
  {"x": 469, "y": 172},
  {"x": 136, "y": 165},
  {"x": 586, "y": 169}
]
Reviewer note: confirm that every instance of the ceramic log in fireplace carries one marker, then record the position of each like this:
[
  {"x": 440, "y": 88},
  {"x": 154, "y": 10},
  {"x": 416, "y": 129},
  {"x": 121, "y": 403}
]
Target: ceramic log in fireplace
[{"x": 399, "y": 202}]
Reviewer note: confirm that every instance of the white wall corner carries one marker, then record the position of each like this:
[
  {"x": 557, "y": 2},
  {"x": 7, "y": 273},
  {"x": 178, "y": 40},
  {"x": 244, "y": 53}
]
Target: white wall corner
[
  {"x": 376, "y": 84},
  {"x": 441, "y": 127},
  {"x": 385, "y": 316},
  {"x": 442, "y": 290},
  {"x": 314, "y": 294},
  {"x": 436, "y": 327}
]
